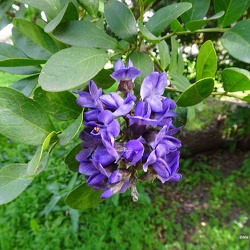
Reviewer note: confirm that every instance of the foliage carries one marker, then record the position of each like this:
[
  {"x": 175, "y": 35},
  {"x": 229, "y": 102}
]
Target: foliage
[{"x": 80, "y": 40}]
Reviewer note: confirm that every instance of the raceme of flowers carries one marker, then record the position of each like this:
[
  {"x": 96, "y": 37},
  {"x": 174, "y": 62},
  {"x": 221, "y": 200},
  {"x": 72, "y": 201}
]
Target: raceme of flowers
[{"x": 125, "y": 138}]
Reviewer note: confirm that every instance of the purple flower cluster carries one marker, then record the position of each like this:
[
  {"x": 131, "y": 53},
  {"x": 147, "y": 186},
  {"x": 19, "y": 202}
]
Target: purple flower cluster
[{"x": 125, "y": 140}]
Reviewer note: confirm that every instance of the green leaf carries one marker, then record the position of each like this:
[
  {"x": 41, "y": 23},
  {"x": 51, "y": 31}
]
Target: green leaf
[
  {"x": 173, "y": 66},
  {"x": 70, "y": 158},
  {"x": 68, "y": 13},
  {"x": 84, "y": 34},
  {"x": 121, "y": 20},
  {"x": 26, "y": 85},
  {"x": 22, "y": 119},
  {"x": 237, "y": 41},
  {"x": 91, "y": 6},
  {"x": 9, "y": 52},
  {"x": 196, "y": 93},
  {"x": 61, "y": 105},
  {"x": 181, "y": 119},
  {"x": 11, "y": 184},
  {"x": 234, "y": 9},
  {"x": 164, "y": 54},
  {"x": 83, "y": 197},
  {"x": 147, "y": 34},
  {"x": 103, "y": 79},
  {"x": 144, "y": 63},
  {"x": 235, "y": 79},
  {"x": 198, "y": 11},
  {"x": 176, "y": 26},
  {"x": 197, "y": 24},
  {"x": 34, "y": 164},
  {"x": 11, "y": 56},
  {"x": 206, "y": 65},
  {"x": 163, "y": 17},
  {"x": 179, "y": 81},
  {"x": 71, "y": 131},
  {"x": 32, "y": 40},
  {"x": 51, "y": 8},
  {"x": 19, "y": 62},
  {"x": 82, "y": 64}
]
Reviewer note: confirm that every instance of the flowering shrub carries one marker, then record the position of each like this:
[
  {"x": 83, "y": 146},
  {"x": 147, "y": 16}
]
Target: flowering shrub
[
  {"x": 61, "y": 47},
  {"x": 140, "y": 146}
]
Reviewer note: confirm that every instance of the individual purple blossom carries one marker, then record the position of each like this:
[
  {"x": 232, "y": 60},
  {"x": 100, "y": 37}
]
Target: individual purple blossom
[
  {"x": 133, "y": 152},
  {"x": 164, "y": 157},
  {"x": 90, "y": 99},
  {"x": 125, "y": 76},
  {"x": 152, "y": 88},
  {"x": 117, "y": 104}
]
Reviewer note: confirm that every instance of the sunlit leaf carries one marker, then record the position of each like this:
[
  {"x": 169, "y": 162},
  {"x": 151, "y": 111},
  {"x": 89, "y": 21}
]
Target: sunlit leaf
[
  {"x": 206, "y": 65},
  {"x": 196, "y": 93},
  {"x": 235, "y": 79}
]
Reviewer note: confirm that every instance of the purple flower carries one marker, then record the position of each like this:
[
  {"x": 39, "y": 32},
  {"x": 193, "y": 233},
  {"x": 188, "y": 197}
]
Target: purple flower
[
  {"x": 152, "y": 88},
  {"x": 165, "y": 156},
  {"x": 107, "y": 129},
  {"x": 125, "y": 76},
  {"x": 90, "y": 99},
  {"x": 123, "y": 73},
  {"x": 133, "y": 152},
  {"x": 117, "y": 104}
]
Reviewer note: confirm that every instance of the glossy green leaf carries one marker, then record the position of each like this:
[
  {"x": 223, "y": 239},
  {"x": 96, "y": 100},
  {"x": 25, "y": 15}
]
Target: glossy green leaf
[
  {"x": 33, "y": 165},
  {"x": 84, "y": 34},
  {"x": 179, "y": 81},
  {"x": 197, "y": 24},
  {"x": 91, "y": 6},
  {"x": 237, "y": 41},
  {"x": 51, "y": 8},
  {"x": 68, "y": 13},
  {"x": 103, "y": 79},
  {"x": 164, "y": 54},
  {"x": 198, "y": 11},
  {"x": 121, "y": 20},
  {"x": 144, "y": 63},
  {"x": 82, "y": 64},
  {"x": 71, "y": 131},
  {"x": 32, "y": 39},
  {"x": 61, "y": 105},
  {"x": 11, "y": 182},
  {"x": 235, "y": 79},
  {"x": 163, "y": 17},
  {"x": 196, "y": 93},
  {"x": 148, "y": 36},
  {"x": 234, "y": 9},
  {"x": 83, "y": 197},
  {"x": 206, "y": 64},
  {"x": 26, "y": 85},
  {"x": 70, "y": 158},
  {"x": 22, "y": 119}
]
